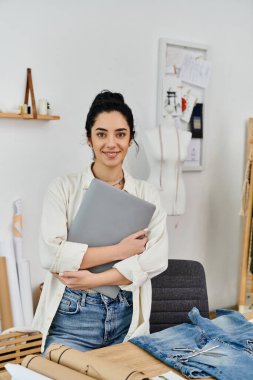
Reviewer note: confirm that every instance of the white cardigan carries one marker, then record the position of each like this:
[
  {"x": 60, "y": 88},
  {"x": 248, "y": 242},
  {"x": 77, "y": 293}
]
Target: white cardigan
[{"x": 61, "y": 204}]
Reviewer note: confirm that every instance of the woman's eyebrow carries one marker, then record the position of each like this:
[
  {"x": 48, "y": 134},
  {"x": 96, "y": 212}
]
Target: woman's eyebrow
[
  {"x": 106, "y": 130},
  {"x": 101, "y": 129}
]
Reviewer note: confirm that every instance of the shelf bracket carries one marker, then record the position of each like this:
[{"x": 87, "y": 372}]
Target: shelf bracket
[{"x": 29, "y": 87}]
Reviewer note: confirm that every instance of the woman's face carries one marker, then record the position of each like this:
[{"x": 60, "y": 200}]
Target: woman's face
[{"x": 110, "y": 138}]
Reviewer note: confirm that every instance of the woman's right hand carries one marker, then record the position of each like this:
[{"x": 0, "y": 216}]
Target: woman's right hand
[{"x": 133, "y": 244}]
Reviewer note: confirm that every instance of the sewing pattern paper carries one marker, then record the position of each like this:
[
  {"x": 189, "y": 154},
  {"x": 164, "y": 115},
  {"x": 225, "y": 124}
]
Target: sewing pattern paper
[
  {"x": 195, "y": 71},
  {"x": 20, "y": 373}
]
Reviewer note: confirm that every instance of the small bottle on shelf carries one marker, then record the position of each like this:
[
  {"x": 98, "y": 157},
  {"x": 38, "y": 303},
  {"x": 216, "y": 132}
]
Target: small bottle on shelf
[
  {"x": 49, "y": 111},
  {"x": 42, "y": 107}
]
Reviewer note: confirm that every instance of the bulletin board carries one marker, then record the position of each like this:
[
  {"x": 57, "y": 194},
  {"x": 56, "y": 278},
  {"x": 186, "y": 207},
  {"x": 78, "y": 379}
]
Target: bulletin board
[{"x": 183, "y": 76}]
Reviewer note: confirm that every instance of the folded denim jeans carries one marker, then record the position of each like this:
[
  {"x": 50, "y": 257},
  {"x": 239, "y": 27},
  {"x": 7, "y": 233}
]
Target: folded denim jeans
[
  {"x": 231, "y": 326},
  {"x": 228, "y": 337}
]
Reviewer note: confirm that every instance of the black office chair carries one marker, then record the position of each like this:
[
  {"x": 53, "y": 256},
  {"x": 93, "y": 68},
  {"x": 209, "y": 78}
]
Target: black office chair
[{"x": 175, "y": 292}]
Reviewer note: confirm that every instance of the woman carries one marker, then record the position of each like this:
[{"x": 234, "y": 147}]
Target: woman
[{"x": 70, "y": 311}]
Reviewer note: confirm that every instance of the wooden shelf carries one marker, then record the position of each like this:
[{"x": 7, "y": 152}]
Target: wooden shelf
[
  {"x": 28, "y": 116},
  {"x": 34, "y": 115}
]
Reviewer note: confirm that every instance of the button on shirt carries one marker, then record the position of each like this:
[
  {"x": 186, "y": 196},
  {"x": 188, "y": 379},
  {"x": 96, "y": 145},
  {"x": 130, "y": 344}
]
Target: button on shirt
[{"x": 61, "y": 204}]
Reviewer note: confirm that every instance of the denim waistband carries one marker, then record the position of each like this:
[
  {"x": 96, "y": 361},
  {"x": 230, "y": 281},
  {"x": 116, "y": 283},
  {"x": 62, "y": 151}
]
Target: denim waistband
[{"x": 96, "y": 298}]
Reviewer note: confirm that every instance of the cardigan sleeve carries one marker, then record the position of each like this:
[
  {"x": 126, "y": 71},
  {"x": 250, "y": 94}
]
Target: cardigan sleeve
[
  {"x": 56, "y": 253},
  {"x": 154, "y": 260}
]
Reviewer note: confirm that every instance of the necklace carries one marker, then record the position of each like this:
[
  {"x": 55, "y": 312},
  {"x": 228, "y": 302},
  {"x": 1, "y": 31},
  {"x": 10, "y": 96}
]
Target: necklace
[{"x": 116, "y": 183}]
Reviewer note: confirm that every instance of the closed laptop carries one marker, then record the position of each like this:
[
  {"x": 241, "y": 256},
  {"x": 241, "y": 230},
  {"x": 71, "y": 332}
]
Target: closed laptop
[{"x": 105, "y": 217}]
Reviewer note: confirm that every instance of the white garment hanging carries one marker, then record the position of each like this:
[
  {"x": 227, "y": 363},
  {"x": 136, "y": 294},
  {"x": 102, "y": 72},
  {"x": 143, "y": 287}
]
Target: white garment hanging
[{"x": 167, "y": 148}]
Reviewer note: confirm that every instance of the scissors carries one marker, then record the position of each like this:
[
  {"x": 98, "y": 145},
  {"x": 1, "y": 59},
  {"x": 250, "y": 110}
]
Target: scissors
[{"x": 195, "y": 352}]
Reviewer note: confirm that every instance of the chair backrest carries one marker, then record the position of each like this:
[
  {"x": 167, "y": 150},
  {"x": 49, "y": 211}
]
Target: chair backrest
[{"x": 175, "y": 292}]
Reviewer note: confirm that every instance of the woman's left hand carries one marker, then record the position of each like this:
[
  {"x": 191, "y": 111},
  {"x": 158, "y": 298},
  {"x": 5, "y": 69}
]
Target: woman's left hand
[{"x": 80, "y": 280}]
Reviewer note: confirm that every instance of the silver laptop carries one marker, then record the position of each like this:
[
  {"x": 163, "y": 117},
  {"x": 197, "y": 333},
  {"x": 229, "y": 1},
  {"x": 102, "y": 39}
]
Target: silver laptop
[{"x": 105, "y": 217}]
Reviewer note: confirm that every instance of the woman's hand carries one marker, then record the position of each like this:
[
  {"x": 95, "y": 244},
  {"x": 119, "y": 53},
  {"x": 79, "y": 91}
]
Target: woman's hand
[
  {"x": 84, "y": 279},
  {"x": 133, "y": 244},
  {"x": 79, "y": 280}
]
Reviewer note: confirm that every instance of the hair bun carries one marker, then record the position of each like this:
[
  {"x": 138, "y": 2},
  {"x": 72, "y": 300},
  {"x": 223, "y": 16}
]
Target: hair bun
[{"x": 107, "y": 96}]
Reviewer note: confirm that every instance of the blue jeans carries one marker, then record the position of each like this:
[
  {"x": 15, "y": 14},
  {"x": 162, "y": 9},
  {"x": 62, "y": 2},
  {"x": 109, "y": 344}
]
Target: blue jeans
[
  {"x": 86, "y": 321},
  {"x": 229, "y": 326},
  {"x": 231, "y": 335}
]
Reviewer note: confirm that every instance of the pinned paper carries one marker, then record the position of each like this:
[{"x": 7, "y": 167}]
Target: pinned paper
[
  {"x": 195, "y": 70},
  {"x": 170, "y": 69},
  {"x": 194, "y": 153},
  {"x": 190, "y": 102},
  {"x": 173, "y": 102}
]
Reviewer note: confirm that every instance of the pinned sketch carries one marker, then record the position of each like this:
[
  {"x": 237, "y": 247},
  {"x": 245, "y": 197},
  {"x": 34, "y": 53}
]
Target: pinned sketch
[
  {"x": 171, "y": 93},
  {"x": 174, "y": 56},
  {"x": 195, "y": 70},
  {"x": 190, "y": 101},
  {"x": 194, "y": 154},
  {"x": 171, "y": 69},
  {"x": 173, "y": 102}
]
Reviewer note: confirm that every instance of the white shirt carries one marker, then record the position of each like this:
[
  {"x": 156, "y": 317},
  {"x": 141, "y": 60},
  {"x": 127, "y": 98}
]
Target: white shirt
[{"x": 61, "y": 204}]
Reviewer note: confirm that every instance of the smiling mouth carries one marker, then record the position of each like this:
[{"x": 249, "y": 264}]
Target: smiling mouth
[{"x": 111, "y": 154}]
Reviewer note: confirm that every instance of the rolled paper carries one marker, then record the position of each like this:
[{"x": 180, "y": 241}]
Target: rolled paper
[
  {"x": 25, "y": 290},
  {"x": 20, "y": 373},
  {"x": 17, "y": 225},
  {"x": 96, "y": 367},
  {"x": 17, "y": 229},
  {"x": 6, "y": 249},
  {"x": 52, "y": 370},
  {"x": 23, "y": 265},
  {"x": 5, "y": 300}
]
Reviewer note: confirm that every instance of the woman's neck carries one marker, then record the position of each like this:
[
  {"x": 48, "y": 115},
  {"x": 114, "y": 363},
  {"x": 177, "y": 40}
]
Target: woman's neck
[{"x": 107, "y": 174}]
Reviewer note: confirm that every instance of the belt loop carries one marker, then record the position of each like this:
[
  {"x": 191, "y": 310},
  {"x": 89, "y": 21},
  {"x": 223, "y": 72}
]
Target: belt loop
[
  {"x": 121, "y": 297},
  {"x": 83, "y": 300}
]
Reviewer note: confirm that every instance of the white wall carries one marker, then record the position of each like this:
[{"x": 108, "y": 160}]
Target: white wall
[{"x": 78, "y": 48}]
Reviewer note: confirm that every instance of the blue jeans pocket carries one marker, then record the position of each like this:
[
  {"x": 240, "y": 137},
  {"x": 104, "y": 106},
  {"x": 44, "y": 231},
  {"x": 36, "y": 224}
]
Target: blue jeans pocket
[{"x": 68, "y": 305}]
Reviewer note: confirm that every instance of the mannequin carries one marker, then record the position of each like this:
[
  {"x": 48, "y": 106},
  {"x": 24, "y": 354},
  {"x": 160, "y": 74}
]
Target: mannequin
[{"x": 167, "y": 150}]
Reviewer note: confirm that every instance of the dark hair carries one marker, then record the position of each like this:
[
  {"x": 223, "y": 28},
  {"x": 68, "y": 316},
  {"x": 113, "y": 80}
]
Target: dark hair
[{"x": 107, "y": 101}]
